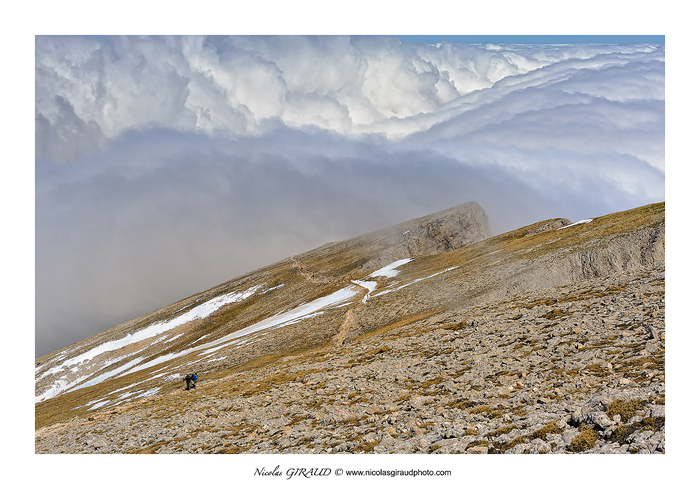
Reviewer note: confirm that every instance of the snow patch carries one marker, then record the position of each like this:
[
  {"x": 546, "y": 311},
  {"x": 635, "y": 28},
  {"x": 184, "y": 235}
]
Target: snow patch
[
  {"x": 582, "y": 221},
  {"x": 390, "y": 269},
  {"x": 300, "y": 312},
  {"x": 148, "y": 393},
  {"x": 200, "y": 339},
  {"x": 370, "y": 286},
  {"x": 199, "y": 312},
  {"x": 109, "y": 374},
  {"x": 273, "y": 288},
  {"x": 174, "y": 337},
  {"x": 99, "y": 404},
  {"x": 414, "y": 281}
]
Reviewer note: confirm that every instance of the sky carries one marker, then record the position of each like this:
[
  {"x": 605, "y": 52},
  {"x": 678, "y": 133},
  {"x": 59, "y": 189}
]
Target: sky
[{"x": 166, "y": 165}]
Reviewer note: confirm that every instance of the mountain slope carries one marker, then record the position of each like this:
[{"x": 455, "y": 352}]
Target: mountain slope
[
  {"x": 369, "y": 336},
  {"x": 299, "y": 288}
]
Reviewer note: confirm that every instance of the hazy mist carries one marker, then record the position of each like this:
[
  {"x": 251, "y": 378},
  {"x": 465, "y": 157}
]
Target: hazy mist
[{"x": 167, "y": 165}]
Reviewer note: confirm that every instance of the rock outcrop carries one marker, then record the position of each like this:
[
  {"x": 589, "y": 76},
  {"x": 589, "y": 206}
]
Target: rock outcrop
[{"x": 436, "y": 233}]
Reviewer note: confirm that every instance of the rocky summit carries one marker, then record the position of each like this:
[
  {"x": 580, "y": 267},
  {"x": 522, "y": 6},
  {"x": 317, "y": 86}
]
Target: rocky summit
[{"x": 427, "y": 337}]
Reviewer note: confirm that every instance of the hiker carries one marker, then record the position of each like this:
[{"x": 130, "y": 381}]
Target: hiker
[{"x": 191, "y": 379}]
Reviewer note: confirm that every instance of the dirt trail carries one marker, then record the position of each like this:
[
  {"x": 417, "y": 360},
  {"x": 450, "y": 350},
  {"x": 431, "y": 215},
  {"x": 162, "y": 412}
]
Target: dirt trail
[
  {"x": 349, "y": 316},
  {"x": 345, "y": 327}
]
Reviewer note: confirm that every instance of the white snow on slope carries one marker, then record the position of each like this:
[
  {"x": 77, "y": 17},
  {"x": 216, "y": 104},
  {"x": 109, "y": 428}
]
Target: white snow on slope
[
  {"x": 199, "y": 312},
  {"x": 297, "y": 314},
  {"x": 387, "y": 271},
  {"x": 370, "y": 286},
  {"x": 582, "y": 221},
  {"x": 283, "y": 319},
  {"x": 200, "y": 339},
  {"x": 149, "y": 392},
  {"x": 62, "y": 384},
  {"x": 273, "y": 288},
  {"x": 414, "y": 281},
  {"x": 174, "y": 337},
  {"x": 100, "y": 404},
  {"x": 107, "y": 375},
  {"x": 390, "y": 269},
  {"x": 303, "y": 311},
  {"x": 206, "y": 309},
  {"x": 126, "y": 396}
]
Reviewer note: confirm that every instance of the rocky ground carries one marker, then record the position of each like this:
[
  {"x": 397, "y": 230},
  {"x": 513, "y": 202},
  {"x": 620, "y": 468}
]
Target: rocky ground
[{"x": 574, "y": 368}]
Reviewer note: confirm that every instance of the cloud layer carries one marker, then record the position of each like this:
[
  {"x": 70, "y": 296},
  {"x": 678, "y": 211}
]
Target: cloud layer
[{"x": 168, "y": 165}]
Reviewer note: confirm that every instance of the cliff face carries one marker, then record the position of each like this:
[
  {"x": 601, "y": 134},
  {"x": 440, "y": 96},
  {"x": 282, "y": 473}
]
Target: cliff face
[
  {"x": 442, "y": 232},
  {"x": 428, "y": 336},
  {"x": 601, "y": 257},
  {"x": 642, "y": 248},
  {"x": 436, "y": 233}
]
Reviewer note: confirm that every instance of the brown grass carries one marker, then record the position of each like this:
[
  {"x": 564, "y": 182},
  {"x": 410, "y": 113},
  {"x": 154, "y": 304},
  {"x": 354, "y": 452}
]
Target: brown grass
[
  {"x": 585, "y": 440},
  {"x": 626, "y": 409}
]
